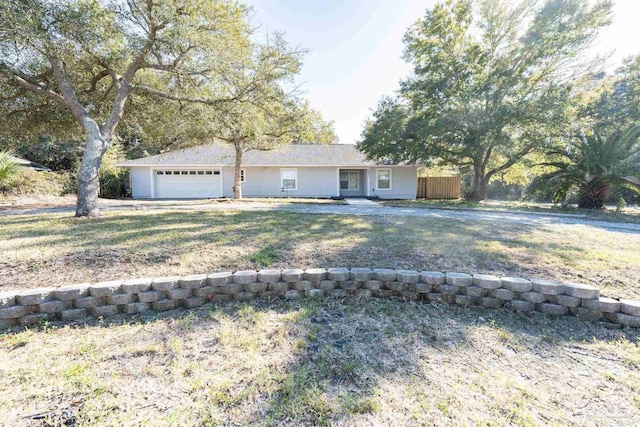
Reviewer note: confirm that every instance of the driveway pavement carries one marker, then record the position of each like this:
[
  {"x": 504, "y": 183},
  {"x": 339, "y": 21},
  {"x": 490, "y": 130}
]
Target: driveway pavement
[{"x": 373, "y": 209}]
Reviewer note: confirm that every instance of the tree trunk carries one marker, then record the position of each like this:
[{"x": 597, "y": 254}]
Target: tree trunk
[
  {"x": 594, "y": 196},
  {"x": 88, "y": 183},
  {"x": 478, "y": 192},
  {"x": 237, "y": 179}
]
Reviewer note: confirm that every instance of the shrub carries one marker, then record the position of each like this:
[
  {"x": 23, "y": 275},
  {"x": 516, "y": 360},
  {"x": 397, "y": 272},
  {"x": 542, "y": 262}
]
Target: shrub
[
  {"x": 8, "y": 167},
  {"x": 593, "y": 165},
  {"x": 113, "y": 180},
  {"x": 621, "y": 204},
  {"x": 27, "y": 182},
  {"x": 113, "y": 183}
]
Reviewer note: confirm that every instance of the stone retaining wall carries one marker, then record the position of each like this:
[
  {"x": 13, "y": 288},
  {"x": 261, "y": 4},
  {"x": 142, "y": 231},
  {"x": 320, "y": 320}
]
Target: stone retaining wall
[{"x": 82, "y": 301}]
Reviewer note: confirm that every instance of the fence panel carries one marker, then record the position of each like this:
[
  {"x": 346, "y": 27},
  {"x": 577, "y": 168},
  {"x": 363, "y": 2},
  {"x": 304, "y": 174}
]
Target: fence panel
[{"x": 439, "y": 187}]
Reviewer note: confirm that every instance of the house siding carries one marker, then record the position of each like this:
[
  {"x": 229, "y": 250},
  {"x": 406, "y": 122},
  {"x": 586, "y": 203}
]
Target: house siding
[
  {"x": 265, "y": 182},
  {"x": 140, "y": 182},
  {"x": 404, "y": 183}
]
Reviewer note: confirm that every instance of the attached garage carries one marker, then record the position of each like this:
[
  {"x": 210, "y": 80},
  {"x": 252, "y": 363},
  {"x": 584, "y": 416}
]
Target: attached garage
[{"x": 188, "y": 184}]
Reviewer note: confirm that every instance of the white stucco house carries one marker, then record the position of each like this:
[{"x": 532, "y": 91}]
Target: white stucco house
[{"x": 305, "y": 170}]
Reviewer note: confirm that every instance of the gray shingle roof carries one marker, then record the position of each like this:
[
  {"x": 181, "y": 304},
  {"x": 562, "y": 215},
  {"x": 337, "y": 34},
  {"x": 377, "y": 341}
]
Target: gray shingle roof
[{"x": 292, "y": 155}]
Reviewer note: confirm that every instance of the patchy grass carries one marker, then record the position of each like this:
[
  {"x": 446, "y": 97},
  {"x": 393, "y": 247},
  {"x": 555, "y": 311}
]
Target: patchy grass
[
  {"x": 347, "y": 362},
  {"x": 49, "y": 201},
  {"x": 630, "y": 215},
  {"x": 265, "y": 256},
  {"x": 56, "y": 249}
]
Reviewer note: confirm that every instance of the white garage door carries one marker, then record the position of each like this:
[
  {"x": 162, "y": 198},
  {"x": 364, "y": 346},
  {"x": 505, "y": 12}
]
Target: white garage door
[{"x": 188, "y": 184}]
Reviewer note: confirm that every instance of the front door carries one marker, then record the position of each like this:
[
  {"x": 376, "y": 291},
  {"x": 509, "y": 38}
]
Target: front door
[{"x": 351, "y": 184}]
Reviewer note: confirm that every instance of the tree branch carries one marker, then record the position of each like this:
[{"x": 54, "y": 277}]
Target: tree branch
[
  {"x": 29, "y": 83},
  {"x": 69, "y": 94},
  {"x": 196, "y": 100},
  {"x": 94, "y": 82},
  {"x": 514, "y": 159}
]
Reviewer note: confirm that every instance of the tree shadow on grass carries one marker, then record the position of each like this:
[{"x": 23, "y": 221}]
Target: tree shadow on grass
[
  {"x": 184, "y": 242},
  {"x": 361, "y": 362}
]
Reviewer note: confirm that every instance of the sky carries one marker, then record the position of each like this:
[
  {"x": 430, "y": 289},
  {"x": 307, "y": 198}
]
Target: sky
[{"x": 355, "y": 49}]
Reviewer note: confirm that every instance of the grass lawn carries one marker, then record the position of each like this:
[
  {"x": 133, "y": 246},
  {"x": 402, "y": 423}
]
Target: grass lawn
[
  {"x": 56, "y": 249},
  {"x": 349, "y": 362},
  {"x": 47, "y": 201},
  {"x": 631, "y": 214},
  {"x": 319, "y": 362}
]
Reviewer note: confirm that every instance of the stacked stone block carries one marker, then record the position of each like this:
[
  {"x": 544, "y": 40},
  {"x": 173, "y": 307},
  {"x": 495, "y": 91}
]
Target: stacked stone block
[{"x": 104, "y": 299}]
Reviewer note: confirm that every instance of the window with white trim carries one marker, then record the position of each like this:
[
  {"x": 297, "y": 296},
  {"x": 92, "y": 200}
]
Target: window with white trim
[
  {"x": 349, "y": 180},
  {"x": 243, "y": 175},
  {"x": 383, "y": 179},
  {"x": 289, "y": 179}
]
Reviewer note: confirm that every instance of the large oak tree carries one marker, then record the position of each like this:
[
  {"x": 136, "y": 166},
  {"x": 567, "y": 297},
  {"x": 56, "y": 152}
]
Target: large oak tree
[
  {"x": 489, "y": 84},
  {"x": 88, "y": 58}
]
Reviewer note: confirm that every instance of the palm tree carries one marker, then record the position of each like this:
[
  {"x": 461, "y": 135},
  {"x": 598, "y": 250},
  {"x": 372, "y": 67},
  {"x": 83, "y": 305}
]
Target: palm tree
[
  {"x": 593, "y": 165},
  {"x": 8, "y": 166}
]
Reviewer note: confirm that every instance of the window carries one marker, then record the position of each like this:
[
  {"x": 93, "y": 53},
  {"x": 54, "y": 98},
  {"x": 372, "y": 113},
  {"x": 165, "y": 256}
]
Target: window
[
  {"x": 289, "y": 179},
  {"x": 192, "y": 172},
  {"x": 167, "y": 172},
  {"x": 159, "y": 172},
  {"x": 200, "y": 172},
  {"x": 207, "y": 172},
  {"x": 243, "y": 175},
  {"x": 185, "y": 172},
  {"x": 216, "y": 172},
  {"x": 383, "y": 179},
  {"x": 349, "y": 180},
  {"x": 176, "y": 172}
]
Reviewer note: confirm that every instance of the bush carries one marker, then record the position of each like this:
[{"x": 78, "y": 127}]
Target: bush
[
  {"x": 113, "y": 183},
  {"x": 113, "y": 180},
  {"x": 8, "y": 167},
  {"x": 27, "y": 182},
  {"x": 621, "y": 204}
]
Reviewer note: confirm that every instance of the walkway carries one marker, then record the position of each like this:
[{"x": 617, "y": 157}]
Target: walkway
[{"x": 361, "y": 201}]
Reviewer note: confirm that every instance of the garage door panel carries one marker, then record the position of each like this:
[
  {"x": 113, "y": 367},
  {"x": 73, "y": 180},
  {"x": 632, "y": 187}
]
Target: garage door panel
[{"x": 187, "y": 186}]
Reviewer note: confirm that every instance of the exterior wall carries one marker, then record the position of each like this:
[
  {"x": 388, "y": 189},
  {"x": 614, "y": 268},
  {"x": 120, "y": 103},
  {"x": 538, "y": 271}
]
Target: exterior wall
[
  {"x": 140, "y": 182},
  {"x": 265, "y": 182},
  {"x": 312, "y": 182},
  {"x": 82, "y": 301},
  {"x": 404, "y": 183}
]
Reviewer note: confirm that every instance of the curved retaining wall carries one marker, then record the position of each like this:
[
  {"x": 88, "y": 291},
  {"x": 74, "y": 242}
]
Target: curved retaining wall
[{"x": 82, "y": 301}]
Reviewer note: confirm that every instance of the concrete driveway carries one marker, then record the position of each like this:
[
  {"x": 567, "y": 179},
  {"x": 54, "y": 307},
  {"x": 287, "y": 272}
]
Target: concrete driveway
[{"x": 373, "y": 209}]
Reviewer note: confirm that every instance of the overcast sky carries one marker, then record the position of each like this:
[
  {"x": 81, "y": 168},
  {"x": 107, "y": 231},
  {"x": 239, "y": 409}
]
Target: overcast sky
[{"x": 356, "y": 47}]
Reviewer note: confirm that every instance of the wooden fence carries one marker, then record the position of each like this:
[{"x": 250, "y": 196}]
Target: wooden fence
[{"x": 440, "y": 187}]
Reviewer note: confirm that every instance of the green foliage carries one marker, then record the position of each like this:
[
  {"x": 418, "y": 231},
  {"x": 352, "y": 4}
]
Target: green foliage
[
  {"x": 265, "y": 111},
  {"x": 266, "y": 256},
  {"x": 592, "y": 165},
  {"x": 73, "y": 69},
  {"x": 52, "y": 152},
  {"x": 8, "y": 167},
  {"x": 113, "y": 179},
  {"x": 28, "y": 182},
  {"x": 488, "y": 86},
  {"x": 621, "y": 204}
]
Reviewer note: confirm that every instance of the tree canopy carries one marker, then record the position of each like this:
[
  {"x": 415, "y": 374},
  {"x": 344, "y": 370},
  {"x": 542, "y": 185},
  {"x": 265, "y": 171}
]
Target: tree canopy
[
  {"x": 490, "y": 84},
  {"x": 90, "y": 63},
  {"x": 272, "y": 113}
]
